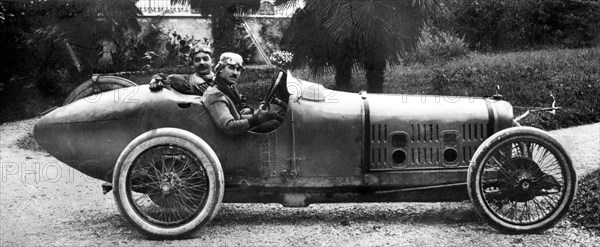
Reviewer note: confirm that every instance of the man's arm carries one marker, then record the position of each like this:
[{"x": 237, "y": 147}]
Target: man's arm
[
  {"x": 178, "y": 82},
  {"x": 185, "y": 85},
  {"x": 219, "y": 111}
]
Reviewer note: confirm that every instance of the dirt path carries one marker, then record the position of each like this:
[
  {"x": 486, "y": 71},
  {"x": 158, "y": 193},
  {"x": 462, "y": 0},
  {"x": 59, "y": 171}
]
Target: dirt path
[{"x": 45, "y": 203}]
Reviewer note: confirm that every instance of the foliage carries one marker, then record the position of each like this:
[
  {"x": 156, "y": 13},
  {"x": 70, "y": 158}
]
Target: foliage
[
  {"x": 227, "y": 30},
  {"x": 585, "y": 210},
  {"x": 54, "y": 81},
  {"x": 507, "y": 24},
  {"x": 230, "y": 35},
  {"x": 49, "y": 37},
  {"x": 48, "y": 46},
  {"x": 155, "y": 48},
  {"x": 343, "y": 34},
  {"x": 281, "y": 58},
  {"x": 272, "y": 33},
  {"x": 134, "y": 51},
  {"x": 437, "y": 47},
  {"x": 178, "y": 49}
]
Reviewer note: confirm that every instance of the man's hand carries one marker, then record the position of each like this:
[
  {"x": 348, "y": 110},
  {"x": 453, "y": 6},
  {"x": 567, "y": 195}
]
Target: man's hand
[
  {"x": 246, "y": 111},
  {"x": 157, "y": 82},
  {"x": 264, "y": 116},
  {"x": 263, "y": 106}
]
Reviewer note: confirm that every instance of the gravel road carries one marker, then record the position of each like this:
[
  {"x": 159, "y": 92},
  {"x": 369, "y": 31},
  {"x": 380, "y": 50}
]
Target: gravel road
[{"x": 45, "y": 203}]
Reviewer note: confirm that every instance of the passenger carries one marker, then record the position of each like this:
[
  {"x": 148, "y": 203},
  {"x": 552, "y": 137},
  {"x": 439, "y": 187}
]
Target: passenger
[
  {"x": 226, "y": 105},
  {"x": 196, "y": 83}
]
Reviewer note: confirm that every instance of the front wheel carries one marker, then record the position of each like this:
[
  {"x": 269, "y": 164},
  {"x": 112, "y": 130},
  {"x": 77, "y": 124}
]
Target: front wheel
[
  {"x": 168, "y": 182},
  {"x": 521, "y": 180}
]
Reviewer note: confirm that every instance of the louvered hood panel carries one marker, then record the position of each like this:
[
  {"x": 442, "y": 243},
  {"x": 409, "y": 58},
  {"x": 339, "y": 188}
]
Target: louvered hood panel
[{"x": 428, "y": 132}]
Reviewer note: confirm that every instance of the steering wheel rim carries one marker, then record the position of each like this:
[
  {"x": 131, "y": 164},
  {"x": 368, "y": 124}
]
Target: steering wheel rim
[{"x": 271, "y": 93}]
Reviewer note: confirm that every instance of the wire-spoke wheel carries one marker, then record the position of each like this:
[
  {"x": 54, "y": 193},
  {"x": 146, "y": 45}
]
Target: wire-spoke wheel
[
  {"x": 168, "y": 183},
  {"x": 521, "y": 180}
]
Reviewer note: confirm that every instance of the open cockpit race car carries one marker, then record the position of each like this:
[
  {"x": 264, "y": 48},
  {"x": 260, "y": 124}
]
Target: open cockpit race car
[{"x": 170, "y": 167}]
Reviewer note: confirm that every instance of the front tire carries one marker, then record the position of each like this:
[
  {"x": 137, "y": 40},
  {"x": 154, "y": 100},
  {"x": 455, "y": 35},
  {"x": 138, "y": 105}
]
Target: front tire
[
  {"x": 521, "y": 180},
  {"x": 168, "y": 183}
]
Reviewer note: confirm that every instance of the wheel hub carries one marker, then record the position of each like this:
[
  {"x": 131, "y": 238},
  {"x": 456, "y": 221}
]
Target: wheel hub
[
  {"x": 166, "y": 188},
  {"x": 521, "y": 174},
  {"x": 525, "y": 183},
  {"x": 170, "y": 181}
]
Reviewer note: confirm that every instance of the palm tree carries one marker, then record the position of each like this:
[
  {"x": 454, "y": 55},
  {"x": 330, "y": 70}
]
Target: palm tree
[{"x": 347, "y": 34}]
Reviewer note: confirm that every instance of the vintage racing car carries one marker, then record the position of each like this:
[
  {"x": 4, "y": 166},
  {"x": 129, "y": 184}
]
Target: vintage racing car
[{"x": 170, "y": 168}]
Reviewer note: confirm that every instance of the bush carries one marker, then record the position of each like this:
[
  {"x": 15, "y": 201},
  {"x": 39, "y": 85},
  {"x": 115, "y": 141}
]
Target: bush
[
  {"x": 54, "y": 82},
  {"x": 437, "y": 47},
  {"x": 508, "y": 25},
  {"x": 131, "y": 53}
]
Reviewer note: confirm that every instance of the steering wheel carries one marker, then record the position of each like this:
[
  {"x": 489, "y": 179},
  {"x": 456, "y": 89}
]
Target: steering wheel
[{"x": 270, "y": 97}]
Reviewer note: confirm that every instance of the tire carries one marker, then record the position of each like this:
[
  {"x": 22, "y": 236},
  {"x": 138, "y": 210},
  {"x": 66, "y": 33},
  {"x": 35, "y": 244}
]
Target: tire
[
  {"x": 168, "y": 183},
  {"x": 521, "y": 180},
  {"x": 96, "y": 85}
]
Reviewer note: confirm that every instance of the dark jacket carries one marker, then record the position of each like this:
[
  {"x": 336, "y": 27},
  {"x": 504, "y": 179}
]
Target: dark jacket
[
  {"x": 189, "y": 84},
  {"x": 224, "y": 112}
]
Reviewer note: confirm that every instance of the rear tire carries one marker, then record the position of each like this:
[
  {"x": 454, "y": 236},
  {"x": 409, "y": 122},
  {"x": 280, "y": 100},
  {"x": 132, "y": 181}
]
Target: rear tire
[
  {"x": 521, "y": 180},
  {"x": 168, "y": 183},
  {"x": 96, "y": 85}
]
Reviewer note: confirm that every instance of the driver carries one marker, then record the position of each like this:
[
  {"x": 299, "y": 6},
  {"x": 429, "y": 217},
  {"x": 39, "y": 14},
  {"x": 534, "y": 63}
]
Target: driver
[
  {"x": 196, "y": 83},
  {"x": 226, "y": 105}
]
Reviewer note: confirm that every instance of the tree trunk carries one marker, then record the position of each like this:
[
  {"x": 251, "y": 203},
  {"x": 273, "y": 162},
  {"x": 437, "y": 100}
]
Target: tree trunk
[
  {"x": 375, "y": 68},
  {"x": 223, "y": 31},
  {"x": 343, "y": 74}
]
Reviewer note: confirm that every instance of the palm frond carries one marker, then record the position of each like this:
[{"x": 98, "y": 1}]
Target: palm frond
[{"x": 324, "y": 33}]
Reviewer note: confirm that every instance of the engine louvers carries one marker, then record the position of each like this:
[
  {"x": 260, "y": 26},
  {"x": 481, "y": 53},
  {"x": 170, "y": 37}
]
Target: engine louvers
[{"x": 423, "y": 146}]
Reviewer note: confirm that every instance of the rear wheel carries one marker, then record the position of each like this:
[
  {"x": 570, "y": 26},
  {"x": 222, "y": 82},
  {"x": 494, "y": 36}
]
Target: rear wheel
[
  {"x": 96, "y": 85},
  {"x": 168, "y": 183},
  {"x": 521, "y": 180}
]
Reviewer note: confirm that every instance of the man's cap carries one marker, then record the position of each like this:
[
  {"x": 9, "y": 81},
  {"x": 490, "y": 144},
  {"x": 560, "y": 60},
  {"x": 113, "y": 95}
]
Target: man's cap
[
  {"x": 229, "y": 58},
  {"x": 201, "y": 48}
]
